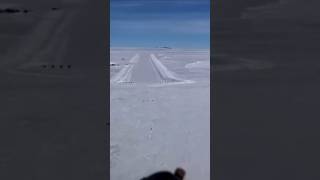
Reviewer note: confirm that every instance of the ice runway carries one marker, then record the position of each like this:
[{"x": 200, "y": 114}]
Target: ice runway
[
  {"x": 145, "y": 68},
  {"x": 145, "y": 72},
  {"x": 156, "y": 124}
]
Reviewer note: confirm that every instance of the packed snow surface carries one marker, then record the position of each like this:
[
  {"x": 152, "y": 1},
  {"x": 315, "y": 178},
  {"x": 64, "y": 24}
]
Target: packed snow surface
[
  {"x": 159, "y": 113},
  {"x": 199, "y": 64}
]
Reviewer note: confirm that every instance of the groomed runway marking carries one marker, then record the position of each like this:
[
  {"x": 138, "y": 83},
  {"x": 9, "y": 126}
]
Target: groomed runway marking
[
  {"x": 124, "y": 76},
  {"x": 168, "y": 78}
]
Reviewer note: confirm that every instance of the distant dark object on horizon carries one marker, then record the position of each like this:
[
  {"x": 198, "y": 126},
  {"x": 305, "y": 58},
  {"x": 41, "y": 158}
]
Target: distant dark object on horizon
[
  {"x": 178, "y": 174},
  {"x": 55, "y": 9},
  {"x": 165, "y": 47},
  {"x": 114, "y": 64}
]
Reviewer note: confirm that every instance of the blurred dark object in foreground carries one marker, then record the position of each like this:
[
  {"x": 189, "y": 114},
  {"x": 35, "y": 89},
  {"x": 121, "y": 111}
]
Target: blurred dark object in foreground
[{"x": 178, "y": 174}]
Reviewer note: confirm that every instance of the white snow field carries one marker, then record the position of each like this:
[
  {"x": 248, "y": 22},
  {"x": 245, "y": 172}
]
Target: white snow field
[{"x": 160, "y": 106}]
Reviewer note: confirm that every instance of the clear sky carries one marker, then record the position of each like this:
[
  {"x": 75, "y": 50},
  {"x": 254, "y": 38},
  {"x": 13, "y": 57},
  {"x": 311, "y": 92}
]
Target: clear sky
[{"x": 155, "y": 23}]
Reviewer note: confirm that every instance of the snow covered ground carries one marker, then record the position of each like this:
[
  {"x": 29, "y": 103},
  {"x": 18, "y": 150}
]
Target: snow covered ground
[{"x": 160, "y": 106}]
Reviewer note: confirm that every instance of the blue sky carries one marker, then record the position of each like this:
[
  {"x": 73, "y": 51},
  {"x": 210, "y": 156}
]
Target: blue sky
[{"x": 155, "y": 23}]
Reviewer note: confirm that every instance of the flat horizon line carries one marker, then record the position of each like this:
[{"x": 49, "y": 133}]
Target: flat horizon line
[{"x": 158, "y": 48}]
